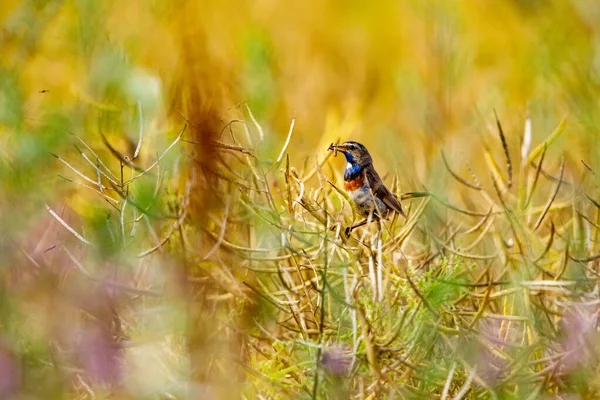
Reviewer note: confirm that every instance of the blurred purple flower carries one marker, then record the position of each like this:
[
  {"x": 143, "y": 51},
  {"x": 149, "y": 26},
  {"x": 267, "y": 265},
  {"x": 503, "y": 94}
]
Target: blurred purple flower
[
  {"x": 579, "y": 328},
  {"x": 101, "y": 356},
  {"x": 9, "y": 373},
  {"x": 490, "y": 367},
  {"x": 336, "y": 360}
]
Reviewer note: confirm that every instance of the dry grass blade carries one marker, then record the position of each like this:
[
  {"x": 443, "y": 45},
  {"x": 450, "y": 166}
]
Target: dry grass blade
[
  {"x": 555, "y": 206},
  {"x": 473, "y": 175},
  {"x": 496, "y": 173},
  {"x": 594, "y": 202},
  {"x": 319, "y": 165},
  {"x": 465, "y": 255},
  {"x": 460, "y": 210},
  {"x": 467, "y": 385},
  {"x": 482, "y": 306},
  {"x": 226, "y": 146},
  {"x": 587, "y": 259},
  {"x": 557, "y": 132},
  {"x": 536, "y": 177},
  {"x": 550, "y": 177},
  {"x": 93, "y": 182},
  {"x": 547, "y": 283},
  {"x": 119, "y": 156},
  {"x": 269, "y": 299},
  {"x": 588, "y": 167},
  {"x": 505, "y": 148},
  {"x": 479, "y": 224},
  {"x": 287, "y": 140},
  {"x": 554, "y": 194},
  {"x": 338, "y": 190},
  {"x": 108, "y": 198},
  {"x": 588, "y": 220},
  {"x": 458, "y": 178},
  {"x": 96, "y": 167},
  {"x": 408, "y": 227},
  {"x": 63, "y": 223},
  {"x": 448, "y": 382},
  {"x": 549, "y": 244},
  {"x": 232, "y": 246},
  {"x": 484, "y": 234},
  {"x": 513, "y": 222},
  {"x": 414, "y": 195},
  {"x": 288, "y": 186},
  {"x": 261, "y": 134},
  {"x": 141, "y": 135},
  {"x": 300, "y": 197},
  {"x": 155, "y": 163},
  {"x": 113, "y": 176}
]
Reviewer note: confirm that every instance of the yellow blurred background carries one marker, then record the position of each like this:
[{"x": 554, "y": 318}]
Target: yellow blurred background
[{"x": 404, "y": 77}]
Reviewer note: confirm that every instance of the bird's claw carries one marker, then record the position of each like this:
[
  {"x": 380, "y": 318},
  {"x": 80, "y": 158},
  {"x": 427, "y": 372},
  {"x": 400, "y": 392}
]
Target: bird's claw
[{"x": 347, "y": 231}]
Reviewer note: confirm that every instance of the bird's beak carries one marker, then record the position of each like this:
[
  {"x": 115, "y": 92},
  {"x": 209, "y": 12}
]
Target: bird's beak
[{"x": 333, "y": 148}]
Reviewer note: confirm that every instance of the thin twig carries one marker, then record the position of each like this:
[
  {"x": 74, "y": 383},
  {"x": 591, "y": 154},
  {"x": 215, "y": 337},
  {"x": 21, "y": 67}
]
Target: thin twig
[
  {"x": 287, "y": 140},
  {"x": 535, "y": 178},
  {"x": 458, "y": 178},
  {"x": 78, "y": 173},
  {"x": 506, "y": 153},
  {"x": 467, "y": 385},
  {"x": 448, "y": 381},
  {"x": 261, "y": 134},
  {"x": 551, "y": 200},
  {"x": 96, "y": 156},
  {"x": 155, "y": 163},
  {"x": 63, "y": 223},
  {"x": 141, "y": 136}
]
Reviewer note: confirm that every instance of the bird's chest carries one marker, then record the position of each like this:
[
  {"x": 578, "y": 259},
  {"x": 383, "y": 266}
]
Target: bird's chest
[
  {"x": 355, "y": 183},
  {"x": 354, "y": 178},
  {"x": 359, "y": 192},
  {"x": 356, "y": 186}
]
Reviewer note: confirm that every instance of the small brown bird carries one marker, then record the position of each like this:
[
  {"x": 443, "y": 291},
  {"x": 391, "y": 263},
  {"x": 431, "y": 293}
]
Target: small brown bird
[{"x": 363, "y": 184}]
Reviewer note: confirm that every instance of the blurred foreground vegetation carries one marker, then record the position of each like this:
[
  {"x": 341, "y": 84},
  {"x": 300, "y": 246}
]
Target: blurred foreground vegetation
[{"x": 171, "y": 224}]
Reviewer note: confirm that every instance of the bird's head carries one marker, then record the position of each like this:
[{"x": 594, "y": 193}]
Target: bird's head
[{"x": 354, "y": 152}]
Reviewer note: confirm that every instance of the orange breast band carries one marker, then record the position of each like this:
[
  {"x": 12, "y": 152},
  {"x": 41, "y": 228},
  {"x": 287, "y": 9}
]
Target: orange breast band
[{"x": 354, "y": 184}]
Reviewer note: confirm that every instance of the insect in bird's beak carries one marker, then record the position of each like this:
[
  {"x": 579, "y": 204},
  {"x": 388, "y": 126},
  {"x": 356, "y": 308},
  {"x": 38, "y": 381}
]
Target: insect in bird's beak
[{"x": 334, "y": 148}]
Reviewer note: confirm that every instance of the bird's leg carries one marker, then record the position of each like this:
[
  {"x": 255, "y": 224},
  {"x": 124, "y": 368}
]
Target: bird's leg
[{"x": 349, "y": 229}]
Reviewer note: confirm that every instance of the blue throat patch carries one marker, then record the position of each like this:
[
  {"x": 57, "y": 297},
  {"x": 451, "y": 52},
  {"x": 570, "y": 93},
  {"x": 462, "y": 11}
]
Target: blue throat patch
[{"x": 353, "y": 170}]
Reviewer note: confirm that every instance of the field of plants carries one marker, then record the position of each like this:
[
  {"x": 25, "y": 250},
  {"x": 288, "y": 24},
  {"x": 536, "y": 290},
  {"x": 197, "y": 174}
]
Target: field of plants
[{"x": 172, "y": 224}]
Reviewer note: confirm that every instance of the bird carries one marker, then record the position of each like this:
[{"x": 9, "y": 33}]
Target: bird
[{"x": 364, "y": 186}]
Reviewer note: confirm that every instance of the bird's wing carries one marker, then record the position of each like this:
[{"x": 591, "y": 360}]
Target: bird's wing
[{"x": 382, "y": 192}]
